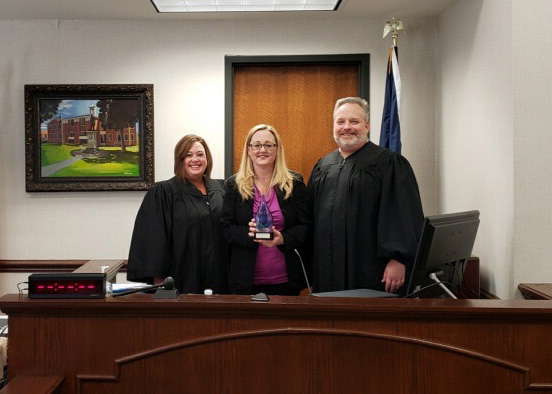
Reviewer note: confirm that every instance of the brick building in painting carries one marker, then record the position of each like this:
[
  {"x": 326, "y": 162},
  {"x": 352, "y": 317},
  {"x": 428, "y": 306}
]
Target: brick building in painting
[
  {"x": 54, "y": 131},
  {"x": 74, "y": 131}
]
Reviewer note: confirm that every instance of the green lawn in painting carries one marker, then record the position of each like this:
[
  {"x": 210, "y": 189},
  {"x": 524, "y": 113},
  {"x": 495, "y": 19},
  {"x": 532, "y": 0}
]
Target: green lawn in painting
[
  {"x": 53, "y": 153},
  {"x": 116, "y": 164}
]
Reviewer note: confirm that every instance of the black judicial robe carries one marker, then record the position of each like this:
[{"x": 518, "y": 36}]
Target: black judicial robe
[
  {"x": 178, "y": 233},
  {"x": 367, "y": 210}
]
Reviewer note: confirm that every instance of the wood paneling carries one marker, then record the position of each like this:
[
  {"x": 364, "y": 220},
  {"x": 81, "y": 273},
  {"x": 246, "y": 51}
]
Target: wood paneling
[
  {"x": 298, "y": 101},
  {"x": 214, "y": 344},
  {"x": 33, "y": 384},
  {"x": 44, "y": 265},
  {"x": 536, "y": 291}
]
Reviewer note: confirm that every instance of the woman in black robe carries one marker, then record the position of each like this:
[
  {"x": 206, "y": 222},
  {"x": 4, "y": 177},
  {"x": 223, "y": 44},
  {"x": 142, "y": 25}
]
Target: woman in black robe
[{"x": 177, "y": 231}]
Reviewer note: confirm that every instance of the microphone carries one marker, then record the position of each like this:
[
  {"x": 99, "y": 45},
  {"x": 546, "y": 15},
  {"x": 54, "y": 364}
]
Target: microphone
[
  {"x": 304, "y": 271},
  {"x": 168, "y": 285}
]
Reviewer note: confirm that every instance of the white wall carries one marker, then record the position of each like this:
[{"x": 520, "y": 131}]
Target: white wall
[
  {"x": 532, "y": 119},
  {"x": 494, "y": 133},
  {"x": 475, "y": 130},
  {"x": 185, "y": 62}
]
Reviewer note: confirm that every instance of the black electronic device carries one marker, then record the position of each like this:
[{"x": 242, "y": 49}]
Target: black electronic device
[
  {"x": 353, "y": 293},
  {"x": 67, "y": 285},
  {"x": 356, "y": 293},
  {"x": 445, "y": 244}
]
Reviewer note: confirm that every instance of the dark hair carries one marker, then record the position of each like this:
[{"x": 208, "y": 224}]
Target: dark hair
[{"x": 181, "y": 150}]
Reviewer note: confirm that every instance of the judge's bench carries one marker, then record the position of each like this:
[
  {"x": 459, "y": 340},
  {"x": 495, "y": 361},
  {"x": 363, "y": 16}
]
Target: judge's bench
[{"x": 231, "y": 344}]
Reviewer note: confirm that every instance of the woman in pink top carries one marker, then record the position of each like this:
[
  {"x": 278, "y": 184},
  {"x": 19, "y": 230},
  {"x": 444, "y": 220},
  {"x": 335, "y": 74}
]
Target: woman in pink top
[{"x": 269, "y": 266}]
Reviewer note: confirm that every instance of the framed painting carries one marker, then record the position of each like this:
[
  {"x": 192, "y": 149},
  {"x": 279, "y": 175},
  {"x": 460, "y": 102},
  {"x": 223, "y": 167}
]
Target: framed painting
[{"x": 88, "y": 137}]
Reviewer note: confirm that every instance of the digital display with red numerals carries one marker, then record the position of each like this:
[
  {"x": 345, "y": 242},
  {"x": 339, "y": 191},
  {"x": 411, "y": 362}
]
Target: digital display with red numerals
[
  {"x": 61, "y": 287},
  {"x": 65, "y": 286}
]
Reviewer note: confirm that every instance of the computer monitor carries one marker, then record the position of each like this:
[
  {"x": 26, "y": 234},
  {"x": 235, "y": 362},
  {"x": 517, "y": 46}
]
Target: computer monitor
[{"x": 446, "y": 242}]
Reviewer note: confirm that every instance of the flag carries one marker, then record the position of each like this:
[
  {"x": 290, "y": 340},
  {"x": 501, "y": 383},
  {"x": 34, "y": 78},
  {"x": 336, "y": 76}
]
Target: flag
[{"x": 390, "y": 136}]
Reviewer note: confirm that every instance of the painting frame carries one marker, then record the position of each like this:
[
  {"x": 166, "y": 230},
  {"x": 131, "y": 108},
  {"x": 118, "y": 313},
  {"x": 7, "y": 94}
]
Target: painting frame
[{"x": 36, "y": 134}]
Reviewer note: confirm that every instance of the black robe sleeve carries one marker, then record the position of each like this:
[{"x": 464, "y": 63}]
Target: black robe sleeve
[
  {"x": 310, "y": 190},
  {"x": 150, "y": 245},
  {"x": 400, "y": 215},
  {"x": 296, "y": 234}
]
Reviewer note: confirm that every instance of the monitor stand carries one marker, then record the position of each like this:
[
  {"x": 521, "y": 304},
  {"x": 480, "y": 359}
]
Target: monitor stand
[{"x": 433, "y": 276}]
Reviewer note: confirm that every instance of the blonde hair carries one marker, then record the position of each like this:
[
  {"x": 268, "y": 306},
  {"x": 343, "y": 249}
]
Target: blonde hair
[
  {"x": 281, "y": 176},
  {"x": 181, "y": 150}
]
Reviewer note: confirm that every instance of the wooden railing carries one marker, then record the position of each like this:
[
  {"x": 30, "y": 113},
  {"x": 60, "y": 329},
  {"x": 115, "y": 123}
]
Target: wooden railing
[{"x": 44, "y": 265}]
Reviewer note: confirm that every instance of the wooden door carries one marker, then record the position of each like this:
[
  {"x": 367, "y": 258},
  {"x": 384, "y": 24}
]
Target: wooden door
[{"x": 297, "y": 99}]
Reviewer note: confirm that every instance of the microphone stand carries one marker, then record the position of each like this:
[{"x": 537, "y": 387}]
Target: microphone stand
[
  {"x": 304, "y": 271},
  {"x": 433, "y": 277},
  {"x": 166, "y": 294}
]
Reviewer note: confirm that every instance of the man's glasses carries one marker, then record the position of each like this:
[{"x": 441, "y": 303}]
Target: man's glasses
[{"x": 268, "y": 146}]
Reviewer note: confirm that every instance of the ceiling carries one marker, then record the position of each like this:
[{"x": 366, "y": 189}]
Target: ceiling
[{"x": 144, "y": 10}]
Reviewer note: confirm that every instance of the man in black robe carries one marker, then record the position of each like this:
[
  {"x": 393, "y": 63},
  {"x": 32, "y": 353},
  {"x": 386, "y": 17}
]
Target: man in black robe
[{"x": 367, "y": 211}]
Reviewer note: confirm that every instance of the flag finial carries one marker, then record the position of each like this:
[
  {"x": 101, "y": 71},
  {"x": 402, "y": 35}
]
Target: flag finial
[{"x": 393, "y": 26}]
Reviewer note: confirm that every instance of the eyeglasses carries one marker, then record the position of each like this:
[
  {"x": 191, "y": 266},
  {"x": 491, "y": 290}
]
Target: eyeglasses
[{"x": 268, "y": 146}]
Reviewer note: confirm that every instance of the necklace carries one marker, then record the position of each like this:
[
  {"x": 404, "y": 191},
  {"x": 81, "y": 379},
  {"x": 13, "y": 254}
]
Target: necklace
[
  {"x": 263, "y": 189},
  {"x": 268, "y": 194}
]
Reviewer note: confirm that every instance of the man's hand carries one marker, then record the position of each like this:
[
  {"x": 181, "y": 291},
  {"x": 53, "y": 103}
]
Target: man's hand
[{"x": 393, "y": 276}]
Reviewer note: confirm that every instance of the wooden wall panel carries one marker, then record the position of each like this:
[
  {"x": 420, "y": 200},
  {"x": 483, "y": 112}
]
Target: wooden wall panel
[
  {"x": 229, "y": 344},
  {"x": 308, "y": 362},
  {"x": 34, "y": 266},
  {"x": 298, "y": 101}
]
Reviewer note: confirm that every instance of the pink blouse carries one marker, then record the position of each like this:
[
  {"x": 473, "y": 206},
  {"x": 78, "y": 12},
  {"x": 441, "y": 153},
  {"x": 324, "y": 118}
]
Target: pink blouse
[{"x": 270, "y": 266}]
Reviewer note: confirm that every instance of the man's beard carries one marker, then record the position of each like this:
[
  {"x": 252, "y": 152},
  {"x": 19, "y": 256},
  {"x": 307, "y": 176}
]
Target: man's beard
[{"x": 347, "y": 143}]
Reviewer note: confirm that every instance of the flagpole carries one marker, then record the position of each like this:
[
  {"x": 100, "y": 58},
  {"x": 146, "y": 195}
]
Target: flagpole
[
  {"x": 393, "y": 26},
  {"x": 390, "y": 135}
]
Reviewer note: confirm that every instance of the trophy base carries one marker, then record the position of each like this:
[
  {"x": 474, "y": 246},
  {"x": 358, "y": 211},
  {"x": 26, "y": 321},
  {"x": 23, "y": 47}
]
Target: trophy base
[{"x": 264, "y": 236}]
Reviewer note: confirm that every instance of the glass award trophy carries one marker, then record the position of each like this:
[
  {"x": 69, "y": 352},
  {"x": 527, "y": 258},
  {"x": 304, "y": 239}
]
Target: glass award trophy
[{"x": 263, "y": 222}]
